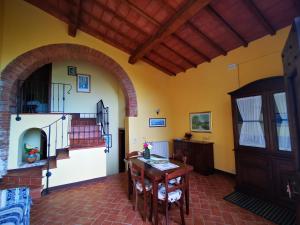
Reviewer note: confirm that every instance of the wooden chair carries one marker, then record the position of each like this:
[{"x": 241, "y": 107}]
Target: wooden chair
[
  {"x": 129, "y": 156},
  {"x": 181, "y": 159},
  {"x": 172, "y": 193},
  {"x": 140, "y": 186}
]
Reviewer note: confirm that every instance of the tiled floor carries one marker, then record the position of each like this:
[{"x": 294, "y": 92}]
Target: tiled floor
[{"x": 106, "y": 203}]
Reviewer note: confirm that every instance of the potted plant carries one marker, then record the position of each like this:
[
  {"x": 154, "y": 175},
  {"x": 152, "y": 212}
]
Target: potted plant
[
  {"x": 147, "y": 148},
  {"x": 31, "y": 153}
]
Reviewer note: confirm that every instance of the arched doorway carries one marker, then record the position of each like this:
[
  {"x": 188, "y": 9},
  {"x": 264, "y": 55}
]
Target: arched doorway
[{"x": 21, "y": 67}]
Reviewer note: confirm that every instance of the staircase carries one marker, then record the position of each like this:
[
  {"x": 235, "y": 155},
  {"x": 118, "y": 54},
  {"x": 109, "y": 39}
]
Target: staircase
[
  {"x": 31, "y": 177},
  {"x": 71, "y": 131},
  {"x": 85, "y": 132}
]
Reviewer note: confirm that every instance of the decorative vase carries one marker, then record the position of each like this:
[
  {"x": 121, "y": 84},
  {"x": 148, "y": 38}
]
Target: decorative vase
[
  {"x": 31, "y": 158},
  {"x": 147, "y": 154}
]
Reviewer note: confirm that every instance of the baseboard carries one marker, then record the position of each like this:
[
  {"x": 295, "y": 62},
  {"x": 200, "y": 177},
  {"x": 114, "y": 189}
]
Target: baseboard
[
  {"x": 225, "y": 173},
  {"x": 75, "y": 184}
]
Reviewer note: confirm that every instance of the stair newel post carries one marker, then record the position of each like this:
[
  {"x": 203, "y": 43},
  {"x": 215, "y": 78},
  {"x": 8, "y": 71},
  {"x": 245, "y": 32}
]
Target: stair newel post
[
  {"x": 62, "y": 130},
  {"x": 18, "y": 118},
  {"x": 64, "y": 97},
  {"x": 48, "y": 173}
]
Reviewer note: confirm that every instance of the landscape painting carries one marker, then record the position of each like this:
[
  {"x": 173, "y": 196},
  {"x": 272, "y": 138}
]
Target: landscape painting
[{"x": 200, "y": 122}]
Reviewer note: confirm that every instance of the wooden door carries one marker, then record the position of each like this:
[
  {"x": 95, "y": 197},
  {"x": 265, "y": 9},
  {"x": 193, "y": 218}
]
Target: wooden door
[{"x": 121, "y": 150}]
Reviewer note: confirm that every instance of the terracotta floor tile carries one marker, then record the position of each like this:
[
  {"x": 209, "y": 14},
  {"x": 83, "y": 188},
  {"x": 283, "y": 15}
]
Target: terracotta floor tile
[{"x": 106, "y": 203}]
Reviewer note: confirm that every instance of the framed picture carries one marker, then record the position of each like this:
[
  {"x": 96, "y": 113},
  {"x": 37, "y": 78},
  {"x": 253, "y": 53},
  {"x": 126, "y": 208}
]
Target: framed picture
[
  {"x": 72, "y": 70},
  {"x": 83, "y": 83},
  {"x": 200, "y": 122},
  {"x": 157, "y": 122}
]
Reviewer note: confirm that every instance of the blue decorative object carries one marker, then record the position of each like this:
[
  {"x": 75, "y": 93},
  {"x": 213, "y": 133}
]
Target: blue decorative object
[{"x": 15, "y": 206}]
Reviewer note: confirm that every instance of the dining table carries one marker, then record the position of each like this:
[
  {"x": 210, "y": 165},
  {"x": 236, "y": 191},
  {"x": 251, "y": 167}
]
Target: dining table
[{"x": 156, "y": 176}]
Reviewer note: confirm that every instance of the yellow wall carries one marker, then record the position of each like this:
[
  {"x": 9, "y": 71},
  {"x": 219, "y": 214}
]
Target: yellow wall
[
  {"x": 202, "y": 89},
  {"x": 27, "y": 27},
  {"x": 1, "y": 25},
  {"x": 205, "y": 89},
  {"x": 103, "y": 86}
]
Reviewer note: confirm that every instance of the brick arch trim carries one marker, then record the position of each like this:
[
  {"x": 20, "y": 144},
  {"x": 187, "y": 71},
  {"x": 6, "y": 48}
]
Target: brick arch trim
[{"x": 22, "y": 66}]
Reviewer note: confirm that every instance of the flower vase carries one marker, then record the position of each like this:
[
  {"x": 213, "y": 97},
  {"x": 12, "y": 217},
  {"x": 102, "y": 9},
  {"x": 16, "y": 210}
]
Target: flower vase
[
  {"x": 147, "y": 154},
  {"x": 31, "y": 158}
]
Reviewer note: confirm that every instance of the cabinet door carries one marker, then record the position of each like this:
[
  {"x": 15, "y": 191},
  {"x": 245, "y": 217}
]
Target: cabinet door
[
  {"x": 282, "y": 168},
  {"x": 255, "y": 173}
]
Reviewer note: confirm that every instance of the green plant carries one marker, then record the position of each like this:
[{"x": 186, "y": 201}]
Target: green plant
[{"x": 31, "y": 150}]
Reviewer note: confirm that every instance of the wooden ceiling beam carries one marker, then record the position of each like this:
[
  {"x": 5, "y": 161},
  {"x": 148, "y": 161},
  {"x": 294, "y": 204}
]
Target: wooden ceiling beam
[
  {"x": 140, "y": 12},
  {"x": 109, "y": 27},
  {"x": 206, "y": 38},
  {"x": 255, "y": 10},
  {"x": 187, "y": 60},
  {"x": 155, "y": 52},
  {"x": 122, "y": 19},
  {"x": 88, "y": 29},
  {"x": 159, "y": 67},
  {"x": 154, "y": 22},
  {"x": 198, "y": 52},
  {"x": 176, "y": 20},
  {"x": 213, "y": 12},
  {"x": 74, "y": 17},
  {"x": 197, "y": 30}
]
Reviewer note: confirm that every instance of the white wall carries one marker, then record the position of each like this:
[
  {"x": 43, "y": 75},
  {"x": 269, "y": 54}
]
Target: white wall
[
  {"x": 29, "y": 121},
  {"x": 83, "y": 164},
  {"x": 103, "y": 86}
]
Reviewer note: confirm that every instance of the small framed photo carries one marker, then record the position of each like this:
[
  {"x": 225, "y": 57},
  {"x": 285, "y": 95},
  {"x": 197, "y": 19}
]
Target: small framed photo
[
  {"x": 201, "y": 122},
  {"x": 72, "y": 70},
  {"x": 157, "y": 122},
  {"x": 83, "y": 83}
]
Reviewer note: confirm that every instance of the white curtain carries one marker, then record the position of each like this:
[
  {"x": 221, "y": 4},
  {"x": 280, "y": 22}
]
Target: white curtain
[
  {"x": 283, "y": 132},
  {"x": 251, "y": 131}
]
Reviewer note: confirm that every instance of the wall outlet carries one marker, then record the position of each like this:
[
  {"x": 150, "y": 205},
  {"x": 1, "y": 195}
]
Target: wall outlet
[{"x": 232, "y": 66}]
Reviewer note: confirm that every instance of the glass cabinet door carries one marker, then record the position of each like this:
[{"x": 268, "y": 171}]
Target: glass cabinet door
[
  {"x": 250, "y": 122},
  {"x": 281, "y": 120}
]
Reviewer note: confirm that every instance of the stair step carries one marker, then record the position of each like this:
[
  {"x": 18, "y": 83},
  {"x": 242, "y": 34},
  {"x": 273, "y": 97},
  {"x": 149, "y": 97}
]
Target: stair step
[
  {"x": 52, "y": 164},
  {"x": 83, "y": 121},
  {"x": 86, "y": 143},
  {"x": 24, "y": 177},
  {"x": 62, "y": 153}
]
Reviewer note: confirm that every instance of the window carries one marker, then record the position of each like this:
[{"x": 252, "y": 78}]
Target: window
[
  {"x": 250, "y": 124},
  {"x": 281, "y": 120}
]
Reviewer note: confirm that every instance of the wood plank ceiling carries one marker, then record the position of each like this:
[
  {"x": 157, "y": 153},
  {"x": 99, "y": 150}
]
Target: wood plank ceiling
[{"x": 174, "y": 35}]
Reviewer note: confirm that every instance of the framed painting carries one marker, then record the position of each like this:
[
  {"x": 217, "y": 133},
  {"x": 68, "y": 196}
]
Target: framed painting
[
  {"x": 72, "y": 70},
  {"x": 157, "y": 122},
  {"x": 201, "y": 122},
  {"x": 83, "y": 83}
]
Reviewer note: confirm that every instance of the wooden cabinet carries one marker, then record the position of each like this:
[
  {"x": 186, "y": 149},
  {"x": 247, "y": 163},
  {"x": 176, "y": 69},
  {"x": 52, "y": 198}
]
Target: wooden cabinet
[
  {"x": 199, "y": 154},
  {"x": 291, "y": 63},
  {"x": 264, "y": 155}
]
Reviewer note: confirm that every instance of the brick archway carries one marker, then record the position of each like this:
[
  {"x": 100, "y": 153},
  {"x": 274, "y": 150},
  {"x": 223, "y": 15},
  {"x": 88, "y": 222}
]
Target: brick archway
[{"x": 25, "y": 64}]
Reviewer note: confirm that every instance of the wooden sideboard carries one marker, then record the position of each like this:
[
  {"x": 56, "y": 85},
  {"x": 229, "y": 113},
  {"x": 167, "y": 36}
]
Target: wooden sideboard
[{"x": 199, "y": 154}]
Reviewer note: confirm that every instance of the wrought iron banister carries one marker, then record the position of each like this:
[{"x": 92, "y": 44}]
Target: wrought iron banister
[
  {"x": 53, "y": 127},
  {"x": 103, "y": 120},
  {"x": 33, "y": 98}
]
